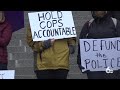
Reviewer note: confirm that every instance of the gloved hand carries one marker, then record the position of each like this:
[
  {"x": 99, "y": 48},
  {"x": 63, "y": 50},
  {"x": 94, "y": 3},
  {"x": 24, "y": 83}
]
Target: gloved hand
[
  {"x": 72, "y": 49},
  {"x": 47, "y": 44},
  {"x": 80, "y": 66}
]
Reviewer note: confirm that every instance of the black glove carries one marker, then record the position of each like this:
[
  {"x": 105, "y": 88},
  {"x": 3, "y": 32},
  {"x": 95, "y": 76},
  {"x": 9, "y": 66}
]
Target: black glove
[
  {"x": 47, "y": 44},
  {"x": 80, "y": 66},
  {"x": 72, "y": 49}
]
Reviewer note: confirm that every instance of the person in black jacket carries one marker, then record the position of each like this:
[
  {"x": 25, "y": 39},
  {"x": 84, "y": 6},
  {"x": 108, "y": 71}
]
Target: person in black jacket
[{"x": 101, "y": 27}]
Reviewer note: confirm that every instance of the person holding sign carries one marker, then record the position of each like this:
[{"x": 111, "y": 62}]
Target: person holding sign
[
  {"x": 100, "y": 27},
  {"x": 5, "y": 37},
  {"x": 51, "y": 56},
  {"x": 52, "y": 38}
]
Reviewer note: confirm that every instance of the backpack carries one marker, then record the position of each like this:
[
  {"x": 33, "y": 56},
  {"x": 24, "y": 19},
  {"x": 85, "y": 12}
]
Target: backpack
[{"x": 113, "y": 19}]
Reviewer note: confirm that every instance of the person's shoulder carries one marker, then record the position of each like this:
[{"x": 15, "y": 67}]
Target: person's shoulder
[{"x": 86, "y": 23}]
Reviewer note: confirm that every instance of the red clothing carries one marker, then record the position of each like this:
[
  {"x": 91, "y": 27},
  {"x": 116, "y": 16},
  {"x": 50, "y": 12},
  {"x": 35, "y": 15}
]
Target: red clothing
[{"x": 5, "y": 37}]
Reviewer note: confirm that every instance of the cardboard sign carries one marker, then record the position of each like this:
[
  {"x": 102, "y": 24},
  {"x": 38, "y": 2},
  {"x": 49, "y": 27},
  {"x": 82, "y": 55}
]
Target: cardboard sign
[
  {"x": 7, "y": 74},
  {"x": 99, "y": 54},
  {"x": 51, "y": 24}
]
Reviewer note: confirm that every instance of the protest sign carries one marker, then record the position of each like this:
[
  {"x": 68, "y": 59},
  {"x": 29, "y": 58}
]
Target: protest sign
[
  {"x": 99, "y": 54},
  {"x": 7, "y": 74},
  {"x": 51, "y": 24}
]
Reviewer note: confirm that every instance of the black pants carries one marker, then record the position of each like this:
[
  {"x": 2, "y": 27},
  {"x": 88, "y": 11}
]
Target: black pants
[
  {"x": 3, "y": 66},
  {"x": 52, "y": 74},
  {"x": 103, "y": 75}
]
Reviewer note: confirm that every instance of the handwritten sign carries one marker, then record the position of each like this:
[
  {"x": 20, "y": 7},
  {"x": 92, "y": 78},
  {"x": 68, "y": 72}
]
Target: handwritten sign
[
  {"x": 99, "y": 54},
  {"x": 51, "y": 24},
  {"x": 7, "y": 74}
]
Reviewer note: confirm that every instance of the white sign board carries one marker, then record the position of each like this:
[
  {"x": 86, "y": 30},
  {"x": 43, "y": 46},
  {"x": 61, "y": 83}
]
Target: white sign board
[
  {"x": 7, "y": 74},
  {"x": 51, "y": 24},
  {"x": 99, "y": 54}
]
